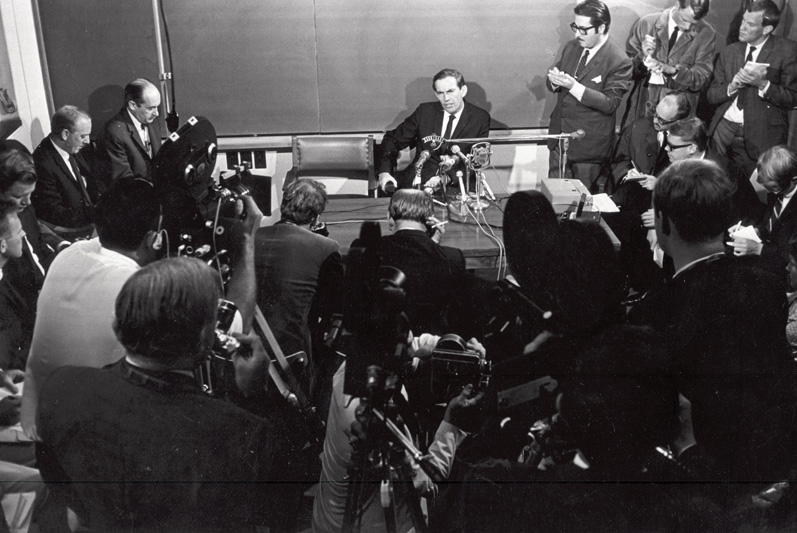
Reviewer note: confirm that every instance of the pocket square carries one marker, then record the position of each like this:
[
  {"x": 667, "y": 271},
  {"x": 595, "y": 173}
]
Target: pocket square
[{"x": 596, "y": 79}]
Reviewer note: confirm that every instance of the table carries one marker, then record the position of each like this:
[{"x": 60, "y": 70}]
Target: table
[{"x": 344, "y": 216}]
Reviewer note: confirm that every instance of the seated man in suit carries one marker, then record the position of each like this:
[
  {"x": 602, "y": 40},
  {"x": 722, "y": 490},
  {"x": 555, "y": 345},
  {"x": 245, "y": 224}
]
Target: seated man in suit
[
  {"x": 589, "y": 81},
  {"x": 166, "y": 456},
  {"x": 777, "y": 173},
  {"x": 724, "y": 325},
  {"x": 753, "y": 100},
  {"x": 66, "y": 191},
  {"x": 132, "y": 138},
  {"x": 452, "y": 118},
  {"x": 16, "y": 322},
  {"x": 438, "y": 287}
]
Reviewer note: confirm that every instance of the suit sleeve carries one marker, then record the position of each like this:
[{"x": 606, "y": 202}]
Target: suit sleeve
[
  {"x": 718, "y": 91},
  {"x": 696, "y": 76},
  {"x": 621, "y": 163},
  {"x": 784, "y": 93},
  {"x": 396, "y": 140},
  {"x": 618, "y": 81},
  {"x": 51, "y": 206},
  {"x": 633, "y": 49},
  {"x": 117, "y": 154}
]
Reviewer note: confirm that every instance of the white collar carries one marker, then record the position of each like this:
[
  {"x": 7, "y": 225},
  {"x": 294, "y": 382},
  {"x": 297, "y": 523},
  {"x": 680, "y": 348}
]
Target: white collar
[
  {"x": 63, "y": 153},
  {"x": 136, "y": 123},
  {"x": 696, "y": 261}
]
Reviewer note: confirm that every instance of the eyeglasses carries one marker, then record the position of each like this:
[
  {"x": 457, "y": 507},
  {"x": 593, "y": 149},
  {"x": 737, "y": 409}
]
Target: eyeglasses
[
  {"x": 581, "y": 29},
  {"x": 672, "y": 147},
  {"x": 663, "y": 122}
]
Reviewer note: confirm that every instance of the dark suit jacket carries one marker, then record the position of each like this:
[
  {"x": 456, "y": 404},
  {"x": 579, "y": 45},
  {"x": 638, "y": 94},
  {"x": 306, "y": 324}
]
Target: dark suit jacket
[
  {"x": 126, "y": 152},
  {"x": 16, "y": 326},
  {"x": 725, "y": 328},
  {"x": 638, "y": 148},
  {"x": 775, "y": 252},
  {"x": 299, "y": 279},
  {"x": 58, "y": 197},
  {"x": 607, "y": 77},
  {"x": 437, "y": 283},
  {"x": 766, "y": 120},
  {"x": 414, "y": 132},
  {"x": 148, "y": 451}
]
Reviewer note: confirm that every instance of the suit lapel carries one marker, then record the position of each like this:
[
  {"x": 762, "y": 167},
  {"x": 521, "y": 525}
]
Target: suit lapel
[
  {"x": 60, "y": 163},
  {"x": 438, "y": 121},
  {"x": 766, "y": 50},
  {"x": 131, "y": 128},
  {"x": 596, "y": 63},
  {"x": 787, "y": 212}
]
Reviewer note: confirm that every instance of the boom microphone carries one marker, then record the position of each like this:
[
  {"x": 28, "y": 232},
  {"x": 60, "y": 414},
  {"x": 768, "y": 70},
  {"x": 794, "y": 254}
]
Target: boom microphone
[{"x": 578, "y": 134}]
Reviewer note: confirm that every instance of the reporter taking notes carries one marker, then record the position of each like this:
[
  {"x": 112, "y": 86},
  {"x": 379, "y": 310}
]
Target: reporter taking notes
[{"x": 589, "y": 80}]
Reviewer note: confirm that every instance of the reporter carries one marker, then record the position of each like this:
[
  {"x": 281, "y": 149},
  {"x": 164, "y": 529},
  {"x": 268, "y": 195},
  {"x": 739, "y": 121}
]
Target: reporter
[{"x": 166, "y": 457}]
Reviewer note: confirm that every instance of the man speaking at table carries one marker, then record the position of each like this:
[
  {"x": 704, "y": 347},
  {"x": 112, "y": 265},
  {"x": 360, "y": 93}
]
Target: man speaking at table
[
  {"x": 452, "y": 118},
  {"x": 590, "y": 80}
]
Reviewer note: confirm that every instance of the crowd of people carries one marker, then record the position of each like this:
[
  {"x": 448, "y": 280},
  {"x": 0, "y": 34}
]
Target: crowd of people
[{"x": 651, "y": 389}]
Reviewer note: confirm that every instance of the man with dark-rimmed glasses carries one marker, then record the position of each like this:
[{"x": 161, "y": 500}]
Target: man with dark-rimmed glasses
[{"x": 589, "y": 80}]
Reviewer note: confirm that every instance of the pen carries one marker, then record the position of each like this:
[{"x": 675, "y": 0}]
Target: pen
[
  {"x": 736, "y": 227},
  {"x": 443, "y": 223}
]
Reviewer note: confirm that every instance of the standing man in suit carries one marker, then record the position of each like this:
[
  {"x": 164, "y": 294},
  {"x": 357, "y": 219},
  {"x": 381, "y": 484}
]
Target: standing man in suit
[
  {"x": 753, "y": 101},
  {"x": 672, "y": 51},
  {"x": 66, "y": 192},
  {"x": 777, "y": 173},
  {"x": 132, "y": 138},
  {"x": 589, "y": 80},
  {"x": 451, "y": 118}
]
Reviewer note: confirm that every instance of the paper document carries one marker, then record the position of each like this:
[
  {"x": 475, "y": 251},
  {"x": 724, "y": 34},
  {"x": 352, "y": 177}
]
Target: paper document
[{"x": 604, "y": 203}]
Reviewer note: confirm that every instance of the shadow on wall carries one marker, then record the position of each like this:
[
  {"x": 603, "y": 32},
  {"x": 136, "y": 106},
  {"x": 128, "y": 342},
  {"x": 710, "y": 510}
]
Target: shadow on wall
[{"x": 104, "y": 103}]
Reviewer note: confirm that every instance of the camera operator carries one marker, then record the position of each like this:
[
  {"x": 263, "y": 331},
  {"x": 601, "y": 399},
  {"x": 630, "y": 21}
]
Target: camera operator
[
  {"x": 164, "y": 456},
  {"x": 343, "y": 428},
  {"x": 73, "y": 325}
]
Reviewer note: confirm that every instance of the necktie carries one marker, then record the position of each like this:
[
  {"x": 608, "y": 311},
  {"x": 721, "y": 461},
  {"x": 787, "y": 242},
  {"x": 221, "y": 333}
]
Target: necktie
[
  {"x": 673, "y": 40},
  {"x": 79, "y": 179},
  {"x": 740, "y": 101},
  {"x": 662, "y": 158},
  {"x": 777, "y": 207},
  {"x": 449, "y": 126},
  {"x": 145, "y": 138},
  {"x": 581, "y": 64}
]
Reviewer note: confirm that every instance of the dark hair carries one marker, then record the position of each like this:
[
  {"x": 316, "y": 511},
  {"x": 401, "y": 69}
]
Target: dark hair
[
  {"x": 16, "y": 165},
  {"x": 126, "y": 212},
  {"x": 682, "y": 105},
  {"x": 163, "y": 308},
  {"x": 695, "y": 195},
  {"x": 66, "y": 118},
  {"x": 691, "y": 130},
  {"x": 780, "y": 163},
  {"x": 771, "y": 16},
  {"x": 446, "y": 73},
  {"x": 411, "y": 204},
  {"x": 699, "y": 7},
  {"x": 8, "y": 210},
  {"x": 303, "y": 201},
  {"x": 532, "y": 238},
  {"x": 597, "y": 12},
  {"x": 135, "y": 90}
]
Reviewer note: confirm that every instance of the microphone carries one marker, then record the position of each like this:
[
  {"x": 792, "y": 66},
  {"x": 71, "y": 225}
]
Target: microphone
[
  {"x": 578, "y": 134},
  {"x": 422, "y": 159},
  {"x": 458, "y": 152},
  {"x": 446, "y": 162}
]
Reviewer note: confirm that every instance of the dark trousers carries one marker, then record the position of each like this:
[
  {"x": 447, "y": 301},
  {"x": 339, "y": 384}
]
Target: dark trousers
[
  {"x": 588, "y": 173},
  {"x": 728, "y": 142}
]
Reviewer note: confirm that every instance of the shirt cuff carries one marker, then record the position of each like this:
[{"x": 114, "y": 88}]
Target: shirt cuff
[
  {"x": 577, "y": 90},
  {"x": 731, "y": 93},
  {"x": 762, "y": 92}
]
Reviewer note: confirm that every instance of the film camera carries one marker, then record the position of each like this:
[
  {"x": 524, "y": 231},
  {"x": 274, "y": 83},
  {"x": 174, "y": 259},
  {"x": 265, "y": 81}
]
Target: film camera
[{"x": 197, "y": 212}]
